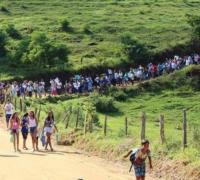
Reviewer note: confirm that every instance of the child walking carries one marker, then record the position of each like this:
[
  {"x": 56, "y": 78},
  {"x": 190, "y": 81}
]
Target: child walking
[{"x": 140, "y": 156}]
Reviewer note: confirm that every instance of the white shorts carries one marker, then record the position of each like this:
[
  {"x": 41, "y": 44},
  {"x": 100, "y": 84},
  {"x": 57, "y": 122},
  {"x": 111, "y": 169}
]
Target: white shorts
[{"x": 48, "y": 129}]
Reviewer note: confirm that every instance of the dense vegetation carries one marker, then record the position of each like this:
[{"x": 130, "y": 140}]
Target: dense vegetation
[{"x": 74, "y": 35}]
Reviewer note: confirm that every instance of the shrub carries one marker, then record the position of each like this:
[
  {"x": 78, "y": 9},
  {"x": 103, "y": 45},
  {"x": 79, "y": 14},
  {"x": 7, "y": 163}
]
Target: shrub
[
  {"x": 65, "y": 26},
  {"x": 4, "y": 9},
  {"x": 40, "y": 51},
  {"x": 119, "y": 95},
  {"x": 12, "y": 31},
  {"x": 3, "y": 41},
  {"x": 87, "y": 30},
  {"x": 104, "y": 104},
  {"x": 137, "y": 52}
]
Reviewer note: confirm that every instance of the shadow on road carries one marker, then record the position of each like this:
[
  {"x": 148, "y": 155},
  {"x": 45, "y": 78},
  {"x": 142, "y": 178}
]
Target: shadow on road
[
  {"x": 33, "y": 153},
  {"x": 8, "y": 155}
]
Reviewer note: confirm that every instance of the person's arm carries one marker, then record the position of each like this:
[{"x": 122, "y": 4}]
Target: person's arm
[
  {"x": 36, "y": 122},
  {"x": 10, "y": 123},
  {"x": 125, "y": 156},
  {"x": 150, "y": 162}
]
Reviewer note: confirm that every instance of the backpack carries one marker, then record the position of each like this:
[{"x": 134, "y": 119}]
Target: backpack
[{"x": 132, "y": 158}]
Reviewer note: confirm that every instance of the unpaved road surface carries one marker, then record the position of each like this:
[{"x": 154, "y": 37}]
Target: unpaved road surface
[{"x": 65, "y": 163}]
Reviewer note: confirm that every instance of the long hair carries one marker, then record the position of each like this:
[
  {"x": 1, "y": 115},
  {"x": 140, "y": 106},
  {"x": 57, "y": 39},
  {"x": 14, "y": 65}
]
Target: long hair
[
  {"x": 48, "y": 117},
  {"x": 32, "y": 112},
  {"x": 17, "y": 118}
]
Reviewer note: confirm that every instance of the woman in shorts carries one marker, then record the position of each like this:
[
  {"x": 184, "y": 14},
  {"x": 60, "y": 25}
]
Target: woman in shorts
[
  {"x": 33, "y": 123},
  {"x": 24, "y": 130},
  {"x": 14, "y": 127},
  {"x": 49, "y": 124}
]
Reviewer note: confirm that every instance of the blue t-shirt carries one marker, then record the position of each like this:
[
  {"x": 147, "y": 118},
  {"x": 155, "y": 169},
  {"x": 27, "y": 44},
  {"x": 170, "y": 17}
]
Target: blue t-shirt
[{"x": 24, "y": 125}]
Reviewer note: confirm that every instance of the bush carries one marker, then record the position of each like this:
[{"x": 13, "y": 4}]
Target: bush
[
  {"x": 87, "y": 30},
  {"x": 12, "y": 31},
  {"x": 3, "y": 41},
  {"x": 104, "y": 104},
  {"x": 65, "y": 26},
  {"x": 4, "y": 9},
  {"x": 40, "y": 51},
  {"x": 118, "y": 95},
  {"x": 137, "y": 52}
]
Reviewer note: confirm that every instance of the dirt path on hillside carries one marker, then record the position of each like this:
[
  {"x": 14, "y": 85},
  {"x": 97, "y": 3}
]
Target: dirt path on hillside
[{"x": 65, "y": 163}]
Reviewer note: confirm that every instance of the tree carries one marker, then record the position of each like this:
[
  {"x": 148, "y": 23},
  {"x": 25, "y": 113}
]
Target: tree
[
  {"x": 136, "y": 52},
  {"x": 3, "y": 41},
  {"x": 40, "y": 51},
  {"x": 44, "y": 52}
]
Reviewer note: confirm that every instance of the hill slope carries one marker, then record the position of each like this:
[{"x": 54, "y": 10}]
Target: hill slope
[{"x": 97, "y": 26}]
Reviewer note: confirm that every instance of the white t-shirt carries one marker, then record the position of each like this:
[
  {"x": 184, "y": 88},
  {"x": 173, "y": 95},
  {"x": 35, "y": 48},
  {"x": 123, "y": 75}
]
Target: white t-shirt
[{"x": 9, "y": 108}]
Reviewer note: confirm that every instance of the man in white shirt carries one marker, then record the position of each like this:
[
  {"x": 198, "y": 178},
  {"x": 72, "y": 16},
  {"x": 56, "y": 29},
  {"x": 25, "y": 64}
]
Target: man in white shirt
[{"x": 8, "y": 111}]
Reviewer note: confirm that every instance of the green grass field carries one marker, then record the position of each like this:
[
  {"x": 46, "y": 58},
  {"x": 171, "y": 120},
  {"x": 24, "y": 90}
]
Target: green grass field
[{"x": 97, "y": 27}]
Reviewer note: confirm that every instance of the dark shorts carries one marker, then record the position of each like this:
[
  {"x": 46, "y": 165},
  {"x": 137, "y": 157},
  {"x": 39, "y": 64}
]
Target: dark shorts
[
  {"x": 14, "y": 131},
  {"x": 24, "y": 134},
  {"x": 30, "y": 93},
  {"x": 139, "y": 170},
  {"x": 32, "y": 130},
  {"x": 8, "y": 117}
]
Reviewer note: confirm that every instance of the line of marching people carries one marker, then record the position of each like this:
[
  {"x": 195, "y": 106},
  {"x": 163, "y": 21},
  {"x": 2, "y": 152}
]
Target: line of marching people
[{"x": 28, "y": 124}]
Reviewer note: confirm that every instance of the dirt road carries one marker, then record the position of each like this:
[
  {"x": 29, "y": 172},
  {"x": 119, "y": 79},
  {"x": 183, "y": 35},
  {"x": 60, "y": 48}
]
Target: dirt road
[{"x": 64, "y": 164}]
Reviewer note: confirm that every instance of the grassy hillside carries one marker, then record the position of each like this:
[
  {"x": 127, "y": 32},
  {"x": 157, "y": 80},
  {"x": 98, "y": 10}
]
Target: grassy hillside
[{"x": 97, "y": 26}]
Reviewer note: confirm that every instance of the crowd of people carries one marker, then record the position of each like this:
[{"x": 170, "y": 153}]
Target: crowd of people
[
  {"x": 29, "y": 124},
  {"x": 85, "y": 84}
]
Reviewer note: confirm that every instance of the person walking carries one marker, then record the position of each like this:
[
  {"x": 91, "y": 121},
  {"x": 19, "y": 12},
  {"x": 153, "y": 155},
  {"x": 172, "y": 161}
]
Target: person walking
[
  {"x": 14, "y": 127},
  {"x": 140, "y": 156},
  {"x": 24, "y": 130},
  {"x": 49, "y": 124},
  {"x": 8, "y": 111},
  {"x": 33, "y": 123}
]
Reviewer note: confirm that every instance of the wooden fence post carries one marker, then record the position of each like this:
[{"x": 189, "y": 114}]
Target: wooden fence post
[
  {"x": 15, "y": 103},
  {"x": 162, "y": 131},
  {"x": 184, "y": 129},
  {"x": 91, "y": 123},
  {"x": 85, "y": 123},
  {"x": 68, "y": 117},
  {"x": 20, "y": 103},
  {"x": 36, "y": 109},
  {"x": 24, "y": 109},
  {"x": 105, "y": 126},
  {"x": 38, "y": 117},
  {"x": 143, "y": 124},
  {"x": 126, "y": 126},
  {"x": 77, "y": 118}
]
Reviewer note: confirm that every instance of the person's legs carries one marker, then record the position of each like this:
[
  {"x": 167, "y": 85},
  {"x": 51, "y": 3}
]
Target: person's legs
[
  {"x": 50, "y": 142},
  {"x": 17, "y": 136},
  {"x": 24, "y": 140},
  {"x": 37, "y": 144},
  {"x": 14, "y": 139},
  {"x": 33, "y": 141},
  {"x": 143, "y": 178},
  {"x": 47, "y": 142}
]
